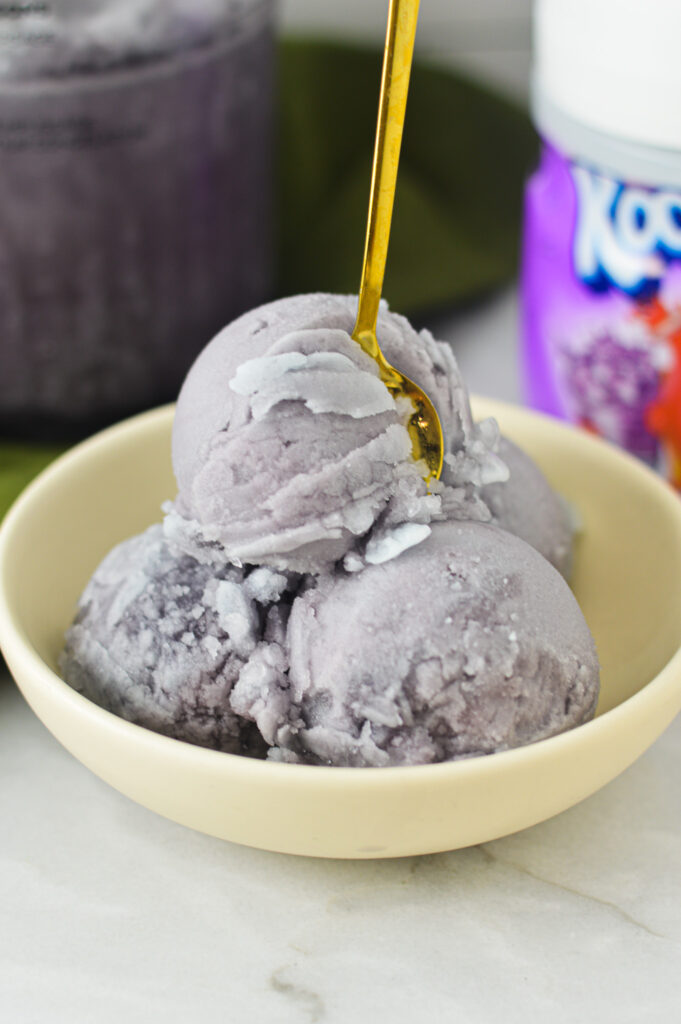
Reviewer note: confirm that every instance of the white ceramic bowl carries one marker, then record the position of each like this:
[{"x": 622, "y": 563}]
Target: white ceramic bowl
[{"x": 627, "y": 579}]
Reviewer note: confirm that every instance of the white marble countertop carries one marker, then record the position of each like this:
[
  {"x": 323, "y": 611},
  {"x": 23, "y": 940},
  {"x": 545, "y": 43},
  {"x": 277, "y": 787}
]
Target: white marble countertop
[{"x": 109, "y": 913}]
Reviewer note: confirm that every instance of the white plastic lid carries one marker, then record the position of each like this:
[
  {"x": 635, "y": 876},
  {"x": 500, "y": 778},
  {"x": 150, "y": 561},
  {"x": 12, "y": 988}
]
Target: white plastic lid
[{"x": 613, "y": 65}]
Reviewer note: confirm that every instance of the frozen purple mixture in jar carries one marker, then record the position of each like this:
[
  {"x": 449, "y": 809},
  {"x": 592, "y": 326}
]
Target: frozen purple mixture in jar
[{"x": 135, "y": 198}]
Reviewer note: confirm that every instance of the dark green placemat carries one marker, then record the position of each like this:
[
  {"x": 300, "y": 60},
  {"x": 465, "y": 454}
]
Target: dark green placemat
[
  {"x": 19, "y": 463},
  {"x": 465, "y": 155},
  {"x": 456, "y": 226}
]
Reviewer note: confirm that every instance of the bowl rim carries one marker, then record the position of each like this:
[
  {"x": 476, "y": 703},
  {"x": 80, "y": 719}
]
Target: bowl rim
[{"x": 18, "y": 649}]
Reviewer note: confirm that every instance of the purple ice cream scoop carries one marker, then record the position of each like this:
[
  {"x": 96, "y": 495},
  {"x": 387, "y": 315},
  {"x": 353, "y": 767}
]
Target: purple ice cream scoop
[
  {"x": 424, "y": 627},
  {"x": 160, "y": 640},
  {"x": 527, "y": 506},
  {"x": 288, "y": 449},
  {"x": 467, "y": 644}
]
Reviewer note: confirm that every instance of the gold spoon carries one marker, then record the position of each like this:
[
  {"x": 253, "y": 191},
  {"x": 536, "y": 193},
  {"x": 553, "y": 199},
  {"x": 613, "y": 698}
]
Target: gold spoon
[{"x": 425, "y": 429}]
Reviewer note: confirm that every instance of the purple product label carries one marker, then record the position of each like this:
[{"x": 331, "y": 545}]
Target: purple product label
[{"x": 602, "y": 307}]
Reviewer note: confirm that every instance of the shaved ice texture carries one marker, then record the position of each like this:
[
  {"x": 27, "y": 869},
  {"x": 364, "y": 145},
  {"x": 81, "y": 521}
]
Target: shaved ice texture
[
  {"x": 160, "y": 640},
  {"x": 306, "y": 598},
  {"x": 289, "y": 450},
  {"x": 86, "y": 36},
  {"x": 527, "y": 506},
  {"x": 468, "y": 644}
]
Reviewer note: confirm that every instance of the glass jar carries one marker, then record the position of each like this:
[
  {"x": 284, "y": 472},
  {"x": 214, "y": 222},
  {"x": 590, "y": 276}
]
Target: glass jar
[{"x": 135, "y": 198}]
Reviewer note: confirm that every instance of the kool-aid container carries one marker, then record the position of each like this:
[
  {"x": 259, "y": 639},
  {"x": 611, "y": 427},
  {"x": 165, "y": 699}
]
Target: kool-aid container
[{"x": 601, "y": 281}]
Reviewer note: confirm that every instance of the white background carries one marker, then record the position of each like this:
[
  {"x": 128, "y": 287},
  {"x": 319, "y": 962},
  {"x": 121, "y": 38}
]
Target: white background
[{"x": 488, "y": 38}]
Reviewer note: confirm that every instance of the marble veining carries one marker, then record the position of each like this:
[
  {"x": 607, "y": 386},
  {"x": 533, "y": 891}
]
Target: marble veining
[
  {"x": 310, "y": 1003},
  {"x": 607, "y": 904}
]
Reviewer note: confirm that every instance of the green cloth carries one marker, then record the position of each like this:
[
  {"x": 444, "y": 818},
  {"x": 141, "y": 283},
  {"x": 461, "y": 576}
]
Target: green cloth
[
  {"x": 456, "y": 226},
  {"x": 465, "y": 156},
  {"x": 19, "y": 463}
]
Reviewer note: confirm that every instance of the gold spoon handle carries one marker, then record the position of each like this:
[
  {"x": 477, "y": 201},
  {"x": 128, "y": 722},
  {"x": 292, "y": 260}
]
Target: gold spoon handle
[{"x": 399, "y": 48}]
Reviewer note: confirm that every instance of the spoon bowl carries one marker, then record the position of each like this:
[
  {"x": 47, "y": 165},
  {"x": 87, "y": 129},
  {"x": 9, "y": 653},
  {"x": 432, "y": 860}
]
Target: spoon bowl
[{"x": 423, "y": 425}]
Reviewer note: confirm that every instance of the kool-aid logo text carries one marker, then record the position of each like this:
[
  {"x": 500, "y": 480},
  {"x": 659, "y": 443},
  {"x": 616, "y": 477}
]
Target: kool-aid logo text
[{"x": 624, "y": 236}]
